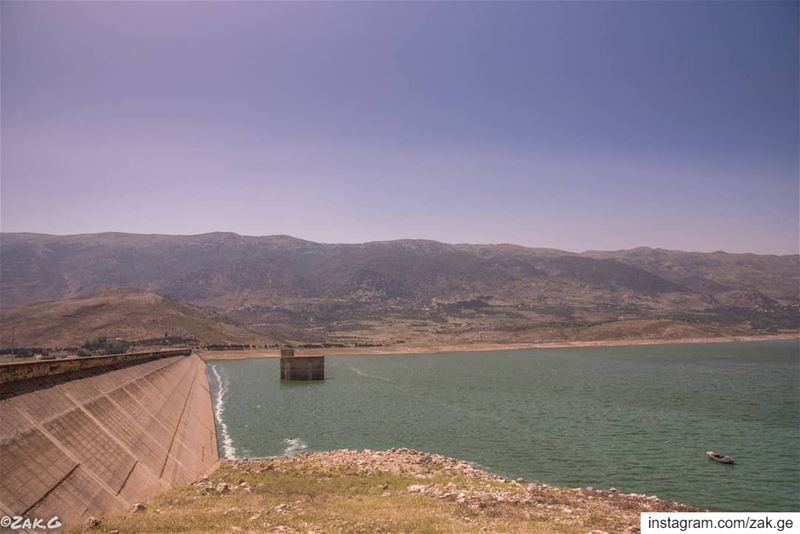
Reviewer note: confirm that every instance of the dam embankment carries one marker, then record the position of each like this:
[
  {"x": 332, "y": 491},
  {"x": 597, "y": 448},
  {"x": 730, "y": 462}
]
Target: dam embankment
[{"x": 103, "y": 436}]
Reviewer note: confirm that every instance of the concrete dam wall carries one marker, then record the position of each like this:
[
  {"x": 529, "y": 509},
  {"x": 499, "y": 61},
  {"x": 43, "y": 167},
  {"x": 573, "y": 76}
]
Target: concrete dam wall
[
  {"x": 93, "y": 441},
  {"x": 14, "y": 372}
]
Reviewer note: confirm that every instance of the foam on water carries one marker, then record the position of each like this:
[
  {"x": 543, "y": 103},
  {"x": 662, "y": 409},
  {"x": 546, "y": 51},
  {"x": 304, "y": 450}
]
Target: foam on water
[
  {"x": 359, "y": 372},
  {"x": 219, "y": 407},
  {"x": 294, "y": 446}
]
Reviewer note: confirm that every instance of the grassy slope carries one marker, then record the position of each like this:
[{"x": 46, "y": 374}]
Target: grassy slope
[{"x": 399, "y": 490}]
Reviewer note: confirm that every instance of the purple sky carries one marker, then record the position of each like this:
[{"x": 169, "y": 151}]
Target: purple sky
[{"x": 597, "y": 125}]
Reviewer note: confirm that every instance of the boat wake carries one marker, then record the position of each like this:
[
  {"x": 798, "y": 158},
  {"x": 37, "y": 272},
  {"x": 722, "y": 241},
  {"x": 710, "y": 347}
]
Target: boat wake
[
  {"x": 294, "y": 446},
  {"x": 219, "y": 407},
  {"x": 359, "y": 372}
]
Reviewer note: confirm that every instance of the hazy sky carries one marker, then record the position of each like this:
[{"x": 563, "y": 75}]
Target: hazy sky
[{"x": 572, "y": 125}]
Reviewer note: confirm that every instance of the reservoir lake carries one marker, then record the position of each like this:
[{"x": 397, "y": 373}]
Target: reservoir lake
[{"x": 638, "y": 418}]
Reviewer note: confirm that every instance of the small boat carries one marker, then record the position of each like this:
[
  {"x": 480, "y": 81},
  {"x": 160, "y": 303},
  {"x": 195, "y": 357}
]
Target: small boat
[{"x": 721, "y": 458}]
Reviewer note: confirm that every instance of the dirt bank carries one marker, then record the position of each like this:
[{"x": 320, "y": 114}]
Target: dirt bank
[{"x": 478, "y": 347}]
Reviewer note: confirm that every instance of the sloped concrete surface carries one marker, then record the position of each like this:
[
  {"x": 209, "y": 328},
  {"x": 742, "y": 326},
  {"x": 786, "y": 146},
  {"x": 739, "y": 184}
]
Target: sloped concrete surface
[{"x": 101, "y": 443}]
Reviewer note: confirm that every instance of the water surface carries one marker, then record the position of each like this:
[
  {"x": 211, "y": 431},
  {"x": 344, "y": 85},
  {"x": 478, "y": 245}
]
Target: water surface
[{"x": 637, "y": 418}]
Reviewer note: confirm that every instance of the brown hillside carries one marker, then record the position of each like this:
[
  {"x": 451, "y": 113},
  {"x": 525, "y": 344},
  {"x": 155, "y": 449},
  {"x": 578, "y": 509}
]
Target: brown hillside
[
  {"x": 131, "y": 314},
  {"x": 417, "y": 291}
]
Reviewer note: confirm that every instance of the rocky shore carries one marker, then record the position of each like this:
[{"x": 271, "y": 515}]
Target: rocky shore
[{"x": 397, "y": 490}]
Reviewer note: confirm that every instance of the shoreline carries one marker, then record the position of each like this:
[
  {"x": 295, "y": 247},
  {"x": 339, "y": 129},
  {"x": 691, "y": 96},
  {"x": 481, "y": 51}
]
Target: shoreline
[{"x": 482, "y": 347}]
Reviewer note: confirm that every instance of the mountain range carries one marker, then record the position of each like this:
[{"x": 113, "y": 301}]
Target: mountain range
[{"x": 390, "y": 292}]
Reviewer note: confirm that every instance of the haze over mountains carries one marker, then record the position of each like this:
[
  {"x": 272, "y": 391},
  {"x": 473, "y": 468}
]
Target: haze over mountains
[{"x": 406, "y": 291}]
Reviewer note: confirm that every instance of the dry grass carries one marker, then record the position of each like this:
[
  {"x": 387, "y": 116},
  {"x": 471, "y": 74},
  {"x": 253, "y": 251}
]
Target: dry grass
[{"x": 388, "y": 491}]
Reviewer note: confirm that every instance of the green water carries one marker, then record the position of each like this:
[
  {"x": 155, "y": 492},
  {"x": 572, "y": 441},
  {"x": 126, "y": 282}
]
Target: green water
[{"x": 636, "y": 418}]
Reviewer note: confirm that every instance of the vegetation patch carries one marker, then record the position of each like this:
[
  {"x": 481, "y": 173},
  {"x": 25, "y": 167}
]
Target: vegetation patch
[{"x": 399, "y": 490}]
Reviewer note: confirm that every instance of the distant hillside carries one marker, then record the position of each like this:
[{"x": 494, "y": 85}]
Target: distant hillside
[
  {"x": 130, "y": 314},
  {"x": 416, "y": 291}
]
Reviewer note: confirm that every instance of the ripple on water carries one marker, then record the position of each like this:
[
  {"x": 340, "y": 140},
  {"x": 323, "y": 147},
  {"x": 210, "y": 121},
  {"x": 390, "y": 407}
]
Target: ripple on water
[{"x": 636, "y": 418}]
